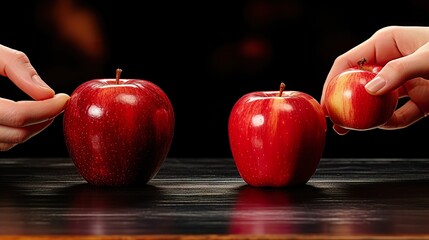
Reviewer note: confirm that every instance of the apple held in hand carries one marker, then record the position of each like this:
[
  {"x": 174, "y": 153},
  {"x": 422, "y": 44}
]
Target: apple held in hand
[
  {"x": 277, "y": 137},
  {"x": 350, "y": 106},
  {"x": 117, "y": 131}
]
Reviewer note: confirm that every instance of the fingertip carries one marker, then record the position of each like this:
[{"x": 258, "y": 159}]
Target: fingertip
[
  {"x": 62, "y": 98},
  {"x": 38, "y": 81},
  {"x": 62, "y": 95},
  {"x": 43, "y": 90}
]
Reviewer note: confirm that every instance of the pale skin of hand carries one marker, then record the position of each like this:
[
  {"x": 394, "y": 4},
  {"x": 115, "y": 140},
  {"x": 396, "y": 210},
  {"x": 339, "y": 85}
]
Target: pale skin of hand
[
  {"x": 404, "y": 53},
  {"x": 21, "y": 120}
]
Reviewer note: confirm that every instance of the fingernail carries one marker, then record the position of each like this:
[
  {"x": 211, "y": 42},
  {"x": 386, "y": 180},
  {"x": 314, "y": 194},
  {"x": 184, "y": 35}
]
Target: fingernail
[
  {"x": 375, "y": 84},
  {"x": 36, "y": 79}
]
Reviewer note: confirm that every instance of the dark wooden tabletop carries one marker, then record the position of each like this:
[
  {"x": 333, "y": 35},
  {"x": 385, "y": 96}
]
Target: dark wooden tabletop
[{"x": 207, "y": 199}]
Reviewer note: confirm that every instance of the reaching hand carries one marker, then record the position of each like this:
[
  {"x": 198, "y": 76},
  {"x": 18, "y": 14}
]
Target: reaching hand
[
  {"x": 403, "y": 51},
  {"x": 21, "y": 120}
]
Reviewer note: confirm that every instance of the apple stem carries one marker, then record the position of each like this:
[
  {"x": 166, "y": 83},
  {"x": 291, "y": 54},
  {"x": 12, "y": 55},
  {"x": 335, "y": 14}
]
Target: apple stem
[
  {"x": 282, "y": 87},
  {"x": 118, "y": 75},
  {"x": 361, "y": 62}
]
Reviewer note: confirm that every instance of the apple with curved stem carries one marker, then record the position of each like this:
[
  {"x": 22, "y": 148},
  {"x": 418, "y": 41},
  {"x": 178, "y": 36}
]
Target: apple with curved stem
[
  {"x": 277, "y": 137},
  {"x": 118, "y": 131},
  {"x": 350, "y": 106}
]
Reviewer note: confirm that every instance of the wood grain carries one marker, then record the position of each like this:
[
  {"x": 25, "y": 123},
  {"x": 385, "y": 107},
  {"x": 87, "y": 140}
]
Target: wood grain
[{"x": 207, "y": 199}]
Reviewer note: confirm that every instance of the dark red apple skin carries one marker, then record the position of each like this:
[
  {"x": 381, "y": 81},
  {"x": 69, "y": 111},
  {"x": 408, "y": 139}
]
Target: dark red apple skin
[
  {"x": 350, "y": 106},
  {"x": 277, "y": 141},
  {"x": 118, "y": 134}
]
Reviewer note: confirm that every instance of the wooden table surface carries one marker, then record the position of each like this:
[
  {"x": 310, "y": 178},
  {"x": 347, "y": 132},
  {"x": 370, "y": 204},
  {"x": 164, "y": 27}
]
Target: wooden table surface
[{"x": 206, "y": 199}]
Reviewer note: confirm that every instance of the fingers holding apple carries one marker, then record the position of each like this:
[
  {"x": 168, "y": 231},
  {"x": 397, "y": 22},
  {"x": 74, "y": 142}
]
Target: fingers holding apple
[
  {"x": 277, "y": 137},
  {"x": 348, "y": 104}
]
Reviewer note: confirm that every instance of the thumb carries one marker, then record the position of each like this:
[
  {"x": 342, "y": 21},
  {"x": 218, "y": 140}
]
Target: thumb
[{"x": 16, "y": 66}]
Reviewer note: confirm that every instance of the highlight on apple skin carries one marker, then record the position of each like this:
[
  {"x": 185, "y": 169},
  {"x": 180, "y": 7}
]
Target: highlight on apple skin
[{"x": 277, "y": 138}]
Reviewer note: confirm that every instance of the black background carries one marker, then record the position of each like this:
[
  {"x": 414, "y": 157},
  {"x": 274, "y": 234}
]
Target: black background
[{"x": 207, "y": 54}]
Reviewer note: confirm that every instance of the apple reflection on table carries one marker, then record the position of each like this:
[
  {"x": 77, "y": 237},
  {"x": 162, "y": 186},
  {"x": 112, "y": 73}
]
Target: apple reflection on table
[
  {"x": 114, "y": 210},
  {"x": 10, "y": 213},
  {"x": 271, "y": 210},
  {"x": 330, "y": 208}
]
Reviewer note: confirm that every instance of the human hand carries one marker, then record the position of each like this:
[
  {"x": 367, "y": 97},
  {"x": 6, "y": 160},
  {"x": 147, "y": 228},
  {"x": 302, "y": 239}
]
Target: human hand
[
  {"x": 21, "y": 120},
  {"x": 403, "y": 51}
]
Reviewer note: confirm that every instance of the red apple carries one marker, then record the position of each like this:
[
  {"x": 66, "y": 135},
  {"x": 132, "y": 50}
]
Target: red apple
[
  {"x": 277, "y": 137},
  {"x": 118, "y": 131},
  {"x": 350, "y": 106}
]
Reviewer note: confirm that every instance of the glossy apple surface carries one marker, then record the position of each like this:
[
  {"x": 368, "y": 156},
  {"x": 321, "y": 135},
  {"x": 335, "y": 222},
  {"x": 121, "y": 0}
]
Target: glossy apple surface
[
  {"x": 118, "y": 131},
  {"x": 277, "y": 137},
  {"x": 350, "y": 106}
]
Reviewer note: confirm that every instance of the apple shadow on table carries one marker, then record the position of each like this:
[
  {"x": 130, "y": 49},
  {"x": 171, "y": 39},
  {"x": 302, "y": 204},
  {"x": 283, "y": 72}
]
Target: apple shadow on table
[
  {"x": 86, "y": 195},
  {"x": 289, "y": 194}
]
